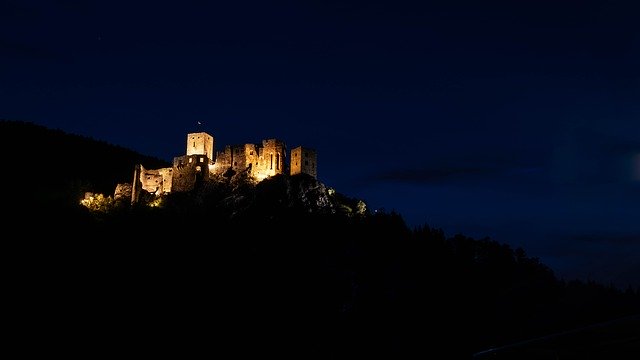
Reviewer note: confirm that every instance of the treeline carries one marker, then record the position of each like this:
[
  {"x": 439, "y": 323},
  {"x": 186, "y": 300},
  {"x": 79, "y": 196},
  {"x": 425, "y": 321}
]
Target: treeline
[
  {"x": 277, "y": 280},
  {"x": 51, "y": 167},
  {"x": 237, "y": 270}
]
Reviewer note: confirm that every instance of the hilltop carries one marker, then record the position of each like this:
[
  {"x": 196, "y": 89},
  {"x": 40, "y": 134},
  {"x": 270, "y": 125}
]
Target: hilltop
[{"x": 288, "y": 266}]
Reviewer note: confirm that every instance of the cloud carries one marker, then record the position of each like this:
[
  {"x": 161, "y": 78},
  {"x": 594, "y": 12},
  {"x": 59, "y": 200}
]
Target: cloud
[
  {"x": 590, "y": 157},
  {"x": 498, "y": 172}
]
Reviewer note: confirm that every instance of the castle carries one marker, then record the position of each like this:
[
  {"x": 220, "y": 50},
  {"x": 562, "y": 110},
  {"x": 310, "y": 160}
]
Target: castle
[{"x": 202, "y": 163}]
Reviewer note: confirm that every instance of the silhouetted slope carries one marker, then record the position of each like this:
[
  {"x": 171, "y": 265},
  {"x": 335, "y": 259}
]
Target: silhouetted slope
[
  {"x": 47, "y": 166},
  {"x": 285, "y": 268},
  {"x": 276, "y": 279}
]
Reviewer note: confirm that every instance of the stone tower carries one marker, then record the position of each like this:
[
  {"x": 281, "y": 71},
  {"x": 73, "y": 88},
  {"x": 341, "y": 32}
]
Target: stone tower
[
  {"x": 303, "y": 160},
  {"x": 271, "y": 159},
  {"x": 190, "y": 169},
  {"x": 200, "y": 144}
]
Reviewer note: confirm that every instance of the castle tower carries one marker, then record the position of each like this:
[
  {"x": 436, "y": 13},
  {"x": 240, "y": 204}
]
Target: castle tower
[
  {"x": 303, "y": 160},
  {"x": 200, "y": 144},
  {"x": 271, "y": 159}
]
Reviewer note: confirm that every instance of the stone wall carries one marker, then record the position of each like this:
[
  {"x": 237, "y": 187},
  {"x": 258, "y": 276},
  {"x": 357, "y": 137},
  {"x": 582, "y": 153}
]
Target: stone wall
[
  {"x": 223, "y": 161},
  {"x": 304, "y": 160},
  {"x": 238, "y": 158},
  {"x": 167, "y": 177},
  {"x": 200, "y": 144},
  {"x": 188, "y": 170},
  {"x": 271, "y": 159},
  {"x": 151, "y": 180},
  {"x": 243, "y": 157},
  {"x": 266, "y": 160}
]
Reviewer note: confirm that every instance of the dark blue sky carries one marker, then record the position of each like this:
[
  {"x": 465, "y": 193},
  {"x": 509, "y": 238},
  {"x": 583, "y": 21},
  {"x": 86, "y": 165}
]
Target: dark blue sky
[{"x": 518, "y": 120}]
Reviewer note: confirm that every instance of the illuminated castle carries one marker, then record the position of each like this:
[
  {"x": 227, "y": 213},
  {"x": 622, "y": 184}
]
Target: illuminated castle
[{"x": 202, "y": 162}]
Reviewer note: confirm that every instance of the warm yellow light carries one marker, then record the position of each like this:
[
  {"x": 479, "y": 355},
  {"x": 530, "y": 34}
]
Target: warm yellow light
[
  {"x": 157, "y": 202},
  {"x": 97, "y": 202}
]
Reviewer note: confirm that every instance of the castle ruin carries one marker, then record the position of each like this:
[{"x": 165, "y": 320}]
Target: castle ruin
[{"x": 202, "y": 163}]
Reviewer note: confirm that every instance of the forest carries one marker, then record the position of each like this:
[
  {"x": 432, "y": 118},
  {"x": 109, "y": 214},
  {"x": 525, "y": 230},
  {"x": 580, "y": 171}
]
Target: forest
[{"x": 245, "y": 270}]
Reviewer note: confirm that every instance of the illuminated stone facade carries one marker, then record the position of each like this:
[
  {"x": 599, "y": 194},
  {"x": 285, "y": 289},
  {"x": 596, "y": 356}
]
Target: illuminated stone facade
[
  {"x": 303, "y": 160},
  {"x": 188, "y": 170},
  {"x": 202, "y": 162},
  {"x": 200, "y": 144}
]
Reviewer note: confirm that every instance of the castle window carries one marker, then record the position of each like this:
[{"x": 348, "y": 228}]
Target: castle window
[
  {"x": 198, "y": 168},
  {"x": 156, "y": 181},
  {"x": 235, "y": 163},
  {"x": 148, "y": 177},
  {"x": 190, "y": 160},
  {"x": 201, "y": 159},
  {"x": 277, "y": 161},
  {"x": 250, "y": 152},
  {"x": 271, "y": 166},
  {"x": 194, "y": 144}
]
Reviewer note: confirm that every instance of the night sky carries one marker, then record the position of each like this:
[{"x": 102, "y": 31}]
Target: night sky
[{"x": 516, "y": 120}]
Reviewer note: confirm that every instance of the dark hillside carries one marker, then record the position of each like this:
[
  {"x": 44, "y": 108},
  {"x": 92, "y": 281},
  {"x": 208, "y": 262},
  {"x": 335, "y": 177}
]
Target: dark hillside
[
  {"x": 46, "y": 166},
  {"x": 285, "y": 268}
]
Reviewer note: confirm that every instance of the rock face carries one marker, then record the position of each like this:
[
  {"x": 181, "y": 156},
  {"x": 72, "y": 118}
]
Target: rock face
[
  {"x": 310, "y": 193},
  {"x": 299, "y": 191},
  {"x": 235, "y": 194},
  {"x": 122, "y": 192},
  {"x": 304, "y": 193}
]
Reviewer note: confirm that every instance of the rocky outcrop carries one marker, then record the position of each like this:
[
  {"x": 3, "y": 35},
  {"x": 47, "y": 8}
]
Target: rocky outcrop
[
  {"x": 122, "y": 192},
  {"x": 236, "y": 194}
]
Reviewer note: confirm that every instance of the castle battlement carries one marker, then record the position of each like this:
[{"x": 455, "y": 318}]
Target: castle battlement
[{"x": 202, "y": 162}]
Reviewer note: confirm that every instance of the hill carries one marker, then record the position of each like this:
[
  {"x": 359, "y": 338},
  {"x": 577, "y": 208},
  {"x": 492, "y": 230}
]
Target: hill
[
  {"x": 288, "y": 267},
  {"x": 46, "y": 166}
]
